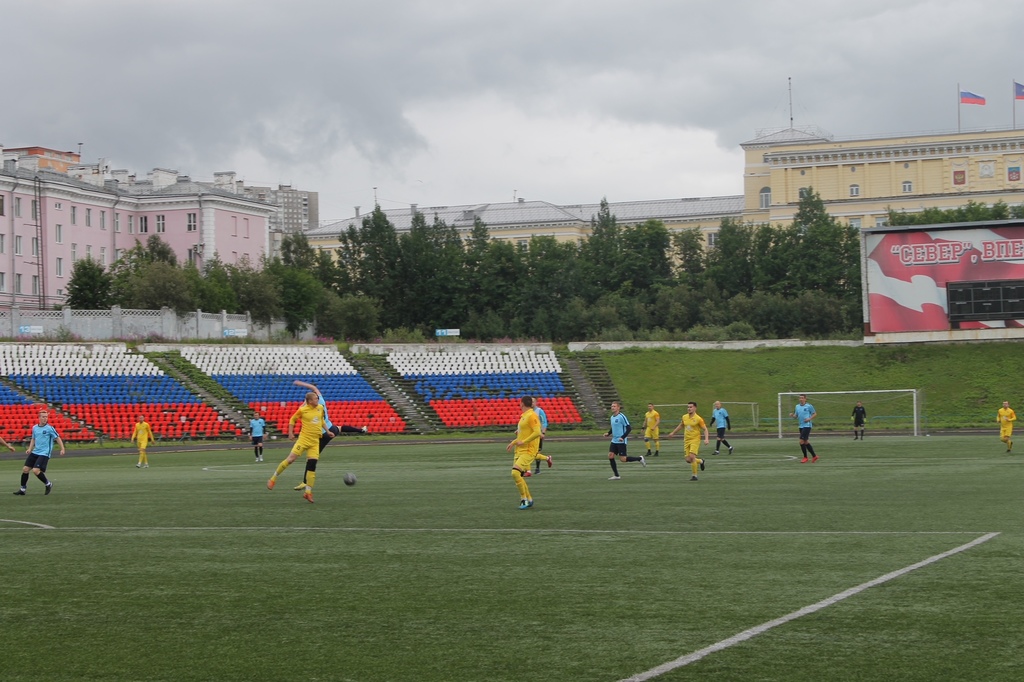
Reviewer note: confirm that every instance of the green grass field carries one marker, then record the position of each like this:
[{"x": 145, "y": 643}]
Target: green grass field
[{"x": 427, "y": 570}]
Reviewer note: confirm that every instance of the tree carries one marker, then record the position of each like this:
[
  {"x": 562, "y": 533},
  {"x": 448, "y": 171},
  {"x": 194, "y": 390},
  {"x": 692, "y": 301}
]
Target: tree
[
  {"x": 348, "y": 317},
  {"x": 369, "y": 256},
  {"x": 301, "y": 295},
  {"x": 160, "y": 284},
  {"x": 256, "y": 291},
  {"x": 89, "y": 287},
  {"x": 690, "y": 256},
  {"x": 211, "y": 289}
]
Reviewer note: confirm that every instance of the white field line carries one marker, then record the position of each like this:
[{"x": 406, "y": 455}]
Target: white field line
[{"x": 764, "y": 627}]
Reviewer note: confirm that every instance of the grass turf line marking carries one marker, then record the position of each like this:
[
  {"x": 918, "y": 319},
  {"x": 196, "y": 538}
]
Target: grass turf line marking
[
  {"x": 799, "y": 613},
  {"x": 28, "y": 523},
  {"x": 531, "y": 531}
]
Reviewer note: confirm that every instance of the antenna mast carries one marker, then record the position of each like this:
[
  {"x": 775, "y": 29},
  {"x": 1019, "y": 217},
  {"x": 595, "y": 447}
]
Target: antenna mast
[{"x": 790, "y": 81}]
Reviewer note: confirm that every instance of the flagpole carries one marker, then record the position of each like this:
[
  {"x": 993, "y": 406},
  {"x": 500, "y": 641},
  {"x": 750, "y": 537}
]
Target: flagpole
[
  {"x": 1013, "y": 102},
  {"x": 958, "y": 108}
]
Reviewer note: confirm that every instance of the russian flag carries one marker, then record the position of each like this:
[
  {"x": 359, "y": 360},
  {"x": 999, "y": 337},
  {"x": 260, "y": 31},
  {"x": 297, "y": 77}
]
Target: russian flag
[
  {"x": 971, "y": 98},
  {"x": 1018, "y": 90}
]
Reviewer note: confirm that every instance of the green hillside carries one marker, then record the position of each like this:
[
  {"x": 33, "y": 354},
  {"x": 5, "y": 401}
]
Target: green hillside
[{"x": 961, "y": 385}]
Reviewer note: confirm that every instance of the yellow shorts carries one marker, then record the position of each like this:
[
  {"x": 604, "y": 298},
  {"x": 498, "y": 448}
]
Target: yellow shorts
[
  {"x": 524, "y": 460},
  {"x": 311, "y": 449},
  {"x": 652, "y": 434},
  {"x": 1006, "y": 430},
  {"x": 690, "y": 447}
]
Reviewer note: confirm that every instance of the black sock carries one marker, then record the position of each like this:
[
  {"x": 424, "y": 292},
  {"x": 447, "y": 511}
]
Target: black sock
[
  {"x": 631, "y": 458},
  {"x": 42, "y": 477},
  {"x": 803, "y": 449},
  {"x": 24, "y": 480},
  {"x": 811, "y": 450},
  {"x": 726, "y": 443},
  {"x": 256, "y": 451},
  {"x": 615, "y": 467},
  {"x": 718, "y": 445}
]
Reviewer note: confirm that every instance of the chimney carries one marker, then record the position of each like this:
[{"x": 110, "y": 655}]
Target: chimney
[{"x": 357, "y": 211}]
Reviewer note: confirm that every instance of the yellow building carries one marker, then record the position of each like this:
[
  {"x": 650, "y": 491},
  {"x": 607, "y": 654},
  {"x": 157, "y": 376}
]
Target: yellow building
[{"x": 858, "y": 179}]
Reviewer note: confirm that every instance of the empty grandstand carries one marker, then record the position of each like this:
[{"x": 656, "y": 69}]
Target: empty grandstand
[
  {"x": 262, "y": 377},
  {"x": 106, "y": 387},
  {"x": 483, "y": 388}
]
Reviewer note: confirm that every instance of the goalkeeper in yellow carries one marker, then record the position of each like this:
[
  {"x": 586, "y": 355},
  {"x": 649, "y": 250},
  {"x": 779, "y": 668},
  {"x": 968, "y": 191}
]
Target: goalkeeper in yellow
[
  {"x": 652, "y": 430},
  {"x": 311, "y": 417},
  {"x": 525, "y": 447},
  {"x": 1006, "y": 416},
  {"x": 141, "y": 435},
  {"x": 692, "y": 425}
]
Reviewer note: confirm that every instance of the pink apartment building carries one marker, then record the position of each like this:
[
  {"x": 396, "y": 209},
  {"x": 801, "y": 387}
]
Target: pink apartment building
[{"x": 49, "y": 220}]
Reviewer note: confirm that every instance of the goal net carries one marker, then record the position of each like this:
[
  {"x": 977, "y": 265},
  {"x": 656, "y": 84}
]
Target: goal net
[
  {"x": 740, "y": 413},
  {"x": 887, "y": 410}
]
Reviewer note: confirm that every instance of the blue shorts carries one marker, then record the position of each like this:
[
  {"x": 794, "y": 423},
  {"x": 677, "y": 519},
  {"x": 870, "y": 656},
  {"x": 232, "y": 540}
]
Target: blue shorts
[
  {"x": 35, "y": 461},
  {"x": 805, "y": 432},
  {"x": 721, "y": 432},
  {"x": 257, "y": 440},
  {"x": 617, "y": 449}
]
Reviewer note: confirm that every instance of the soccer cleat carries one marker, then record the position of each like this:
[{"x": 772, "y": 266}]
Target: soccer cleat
[
  {"x": 271, "y": 483},
  {"x": 308, "y": 496},
  {"x": 610, "y": 478},
  {"x": 655, "y": 453},
  {"x": 139, "y": 465},
  {"x": 693, "y": 478},
  {"x": 648, "y": 453},
  {"x": 643, "y": 462},
  {"x": 701, "y": 465},
  {"x": 803, "y": 461},
  {"x": 550, "y": 463},
  {"x": 715, "y": 452},
  {"x": 19, "y": 492},
  {"x": 49, "y": 488},
  {"x": 814, "y": 460},
  {"x": 145, "y": 466},
  {"x": 524, "y": 504},
  {"x": 301, "y": 486},
  {"x": 527, "y": 474},
  {"x": 730, "y": 449}
]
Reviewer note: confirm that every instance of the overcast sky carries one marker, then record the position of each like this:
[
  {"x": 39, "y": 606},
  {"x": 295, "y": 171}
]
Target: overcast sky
[{"x": 443, "y": 102}]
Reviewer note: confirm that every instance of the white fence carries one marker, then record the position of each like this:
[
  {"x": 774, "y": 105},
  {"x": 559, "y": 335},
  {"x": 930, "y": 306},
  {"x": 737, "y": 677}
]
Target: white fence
[{"x": 116, "y": 323}]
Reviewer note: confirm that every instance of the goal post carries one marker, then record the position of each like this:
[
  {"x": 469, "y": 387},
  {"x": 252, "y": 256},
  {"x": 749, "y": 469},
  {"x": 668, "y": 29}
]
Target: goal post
[{"x": 892, "y": 408}]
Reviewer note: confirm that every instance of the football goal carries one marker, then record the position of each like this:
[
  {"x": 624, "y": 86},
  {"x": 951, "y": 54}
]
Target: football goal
[
  {"x": 887, "y": 410},
  {"x": 739, "y": 413}
]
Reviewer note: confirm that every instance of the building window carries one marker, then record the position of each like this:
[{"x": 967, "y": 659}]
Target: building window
[
  {"x": 246, "y": 221},
  {"x": 192, "y": 255},
  {"x": 143, "y": 224},
  {"x": 3, "y": 282},
  {"x": 74, "y": 253},
  {"x": 59, "y": 268},
  {"x": 161, "y": 223},
  {"x": 712, "y": 238},
  {"x": 802, "y": 193},
  {"x": 118, "y": 253},
  {"x": 117, "y": 222},
  {"x": 74, "y": 215},
  {"x": 17, "y": 284},
  {"x": 234, "y": 226},
  {"x": 880, "y": 220},
  {"x": 35, "y": 246},
  {"x": 88, "y": 217},
  {"x": 88, "y": 251},
  {"x": 854, "y": 190},
  {"x": 17, "y": 207},
  {"x": 57, "y": 206},
  {"x": 103, "y": 256},
  {"x": 855, "y": 223},
  {"x": 1, "y": 205},
  {"x": 192, "y": 222},
  {"x": 103, "y": 220},
  {"x": 35, "y": 285},
  {"x": 35, "y": 210},
  {"x": 3, "y": 243},
  {"x": 131, "y": 224},
  {"x": 908, "y": 187},
  {"x": 17, "y": 245},
  {"x": 766, "y": 197},
  {"x": 58, "y": 234}
]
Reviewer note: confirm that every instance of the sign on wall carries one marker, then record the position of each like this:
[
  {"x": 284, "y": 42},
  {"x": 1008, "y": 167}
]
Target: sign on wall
[{"x": 907, "y": 273}]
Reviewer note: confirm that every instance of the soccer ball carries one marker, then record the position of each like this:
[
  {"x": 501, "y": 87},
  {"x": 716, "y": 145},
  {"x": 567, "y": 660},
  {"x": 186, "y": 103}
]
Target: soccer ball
[{"x": 350, "y": 478}]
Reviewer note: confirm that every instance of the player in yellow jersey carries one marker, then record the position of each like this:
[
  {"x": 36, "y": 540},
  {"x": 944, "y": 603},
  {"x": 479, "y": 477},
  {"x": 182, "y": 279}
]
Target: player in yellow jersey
[
  {"x": 141, "y": 435},
  {"x": 692, "y": 425},
  {"x": 311, "y": 416},
  {"x": 652, "y": 430},
  {"x": 1006, "y": 416},
  {"x": 525, "y": 447}
]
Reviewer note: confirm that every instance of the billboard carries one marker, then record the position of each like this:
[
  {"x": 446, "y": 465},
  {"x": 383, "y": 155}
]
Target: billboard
[{"x": 907, "y": 271}]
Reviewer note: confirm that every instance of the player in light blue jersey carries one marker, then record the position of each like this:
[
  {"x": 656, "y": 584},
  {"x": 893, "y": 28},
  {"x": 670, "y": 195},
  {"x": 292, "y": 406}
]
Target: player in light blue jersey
[
  {"x": 720, "y": 416},
  {"x": 39, "y": 449},
  {"x": 619, "y": 432},
  {"x": 805, "y": 414},
  {"x": 257, "y": 425},
  {"x": 543, "y": 417}
]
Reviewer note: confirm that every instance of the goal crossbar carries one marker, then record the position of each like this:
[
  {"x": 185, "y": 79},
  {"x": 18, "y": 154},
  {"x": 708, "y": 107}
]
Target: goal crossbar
[{"x": 911, "y": 391}]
